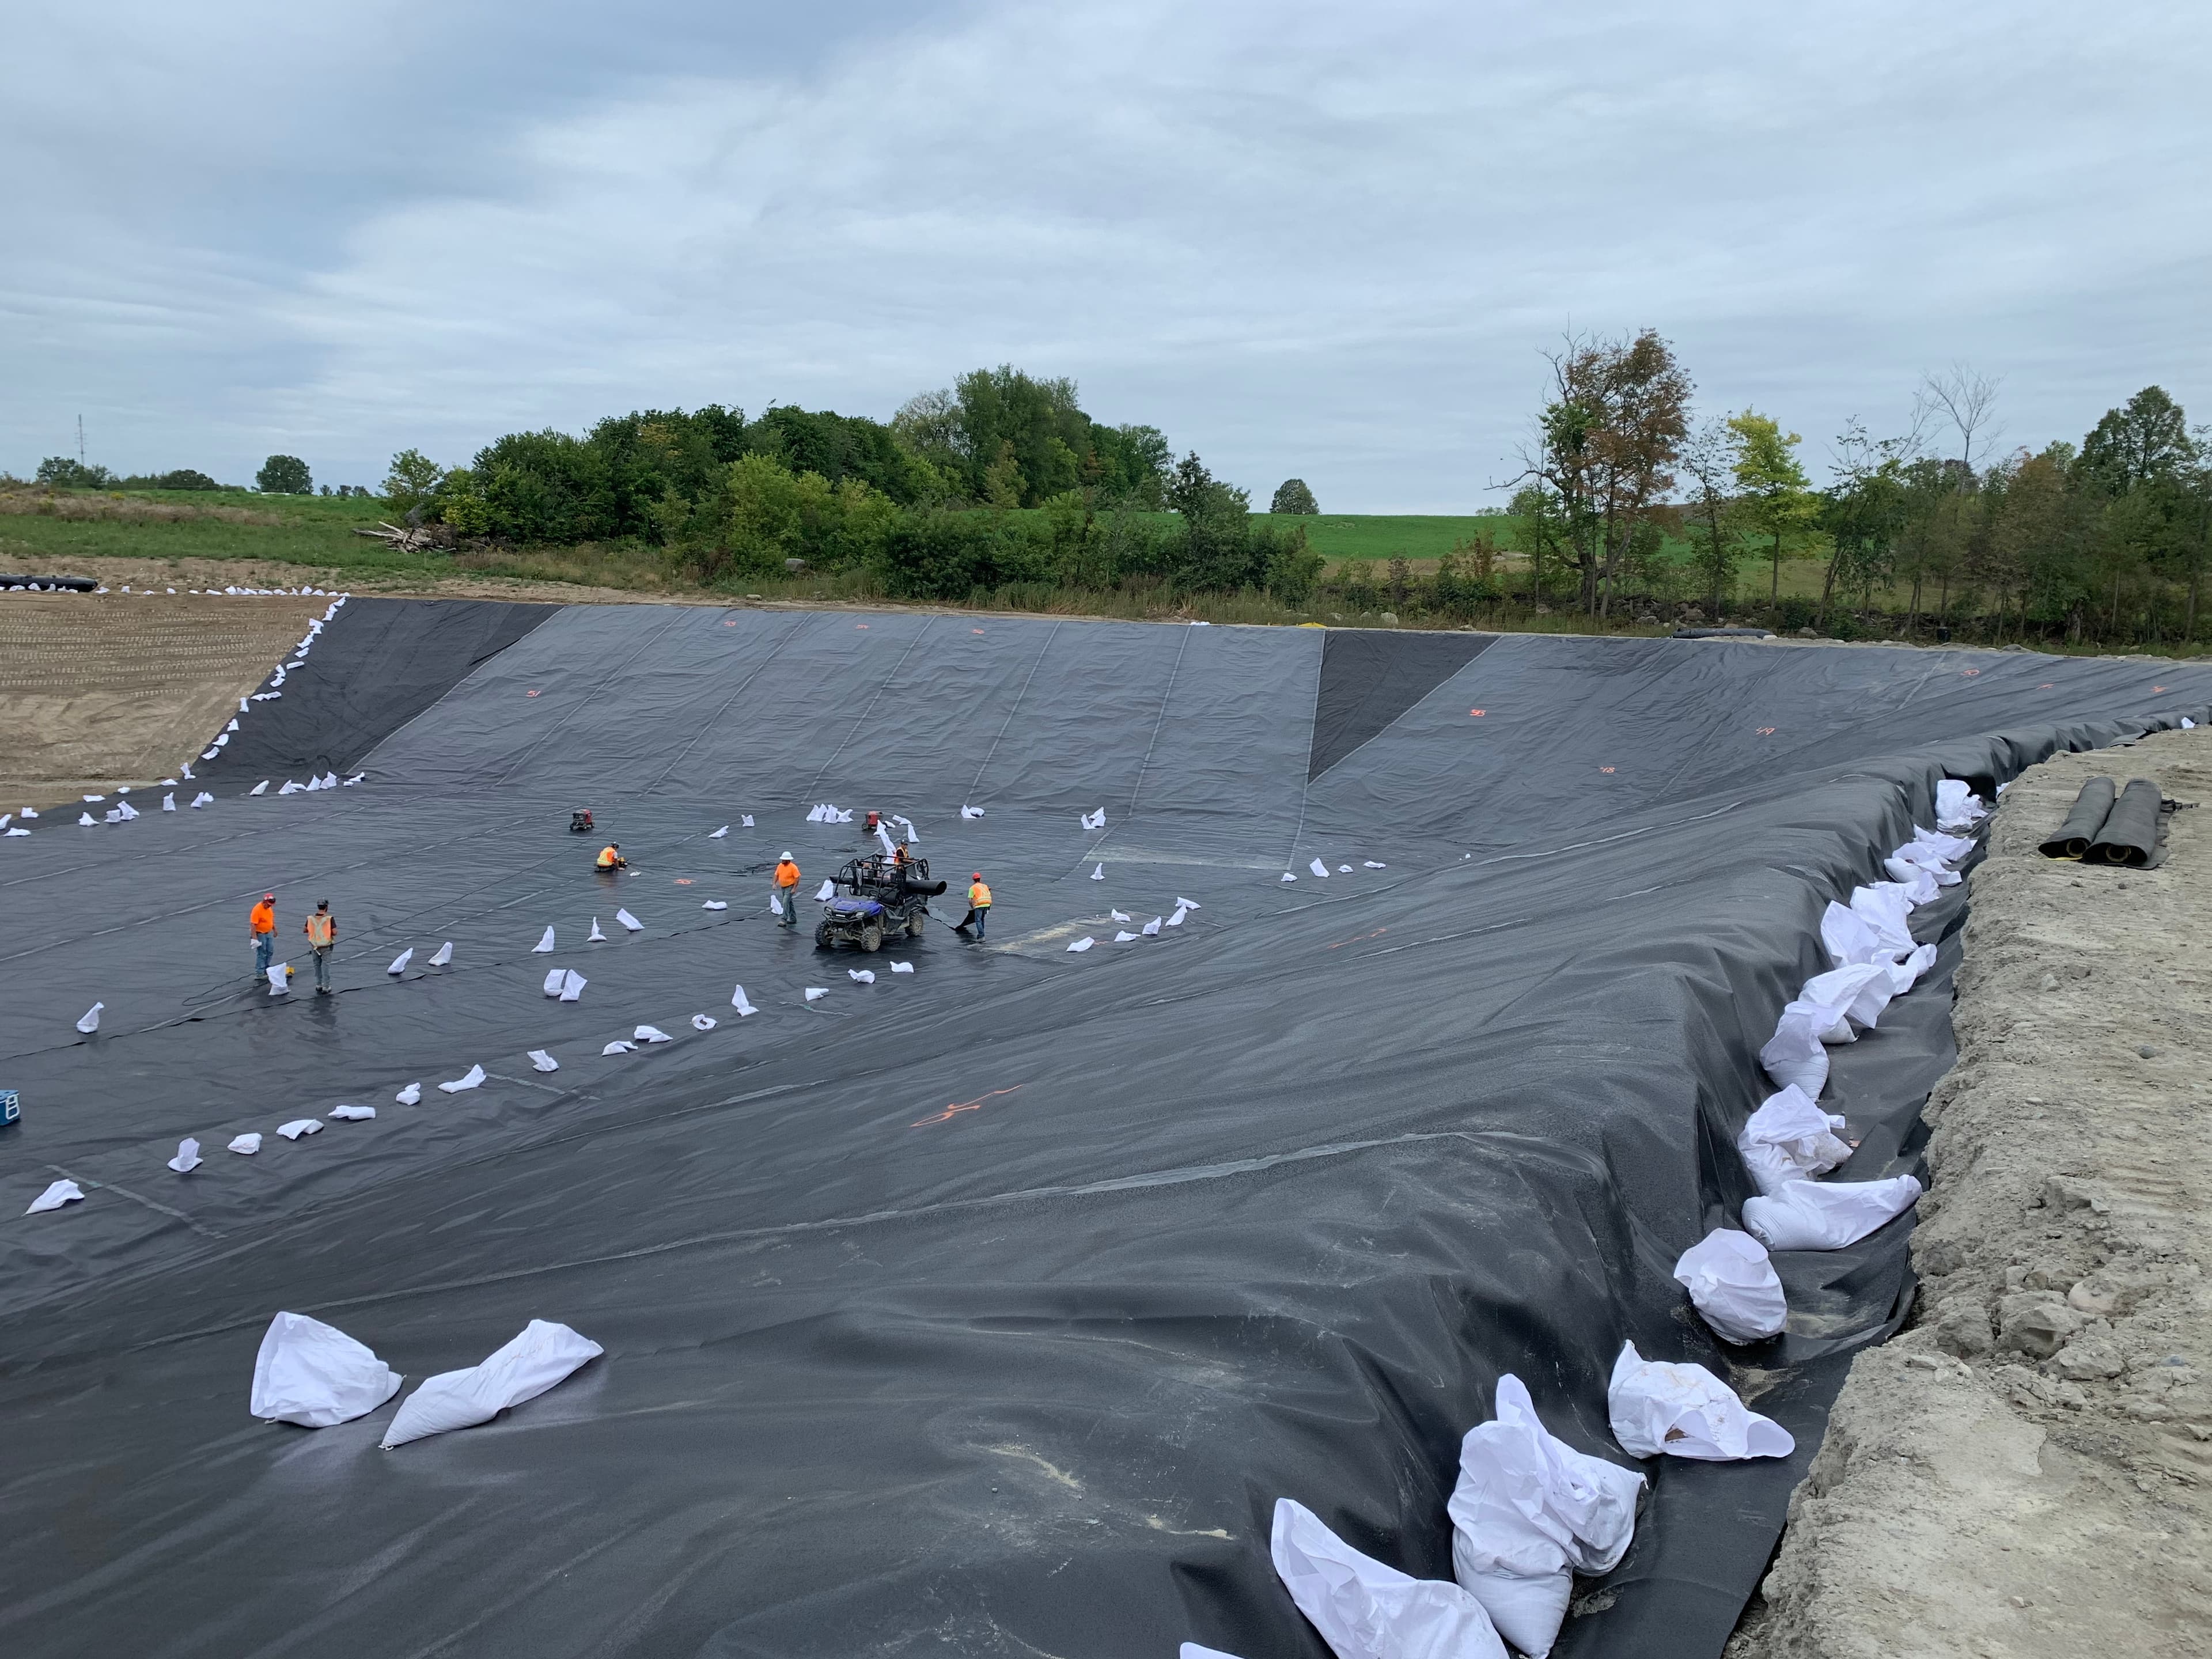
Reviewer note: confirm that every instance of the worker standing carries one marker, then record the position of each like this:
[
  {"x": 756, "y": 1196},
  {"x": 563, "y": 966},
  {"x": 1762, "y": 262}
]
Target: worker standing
[
  {"x": 611, "y": 857},
  {"x": 979, "y": 905},
  {"x": 322, "y": 931},
  {"x": 787, "y": 891},
  {"x": 261, "y": 928}
]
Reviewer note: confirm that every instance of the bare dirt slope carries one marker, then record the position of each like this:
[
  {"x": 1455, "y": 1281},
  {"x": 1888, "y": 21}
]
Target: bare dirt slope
[
  {"x": 2024, "y": 1472},
  {"x": 102, "y": 689}
]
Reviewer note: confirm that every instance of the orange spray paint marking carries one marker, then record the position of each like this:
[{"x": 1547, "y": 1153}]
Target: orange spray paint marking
[
  {"x": 683, "y": 881},
  {"x": 946, "y": 1115},
  {"x": 1766, "y": 731},
  {"x": 2046, "y": 686},
  {"x": 1605, "y": 768},
  {"x": 530, "y": 693},
  {"x": 1968, "y": 674},
  {"x": 731, "y": 624},
  {"x": 1358, "y": 938},
  {"x": 975, "y": 630},
  {"x": 863, "y": 627},
  {"x": 2158, "y": 688},
  {"x": 1475, "y": 713}
]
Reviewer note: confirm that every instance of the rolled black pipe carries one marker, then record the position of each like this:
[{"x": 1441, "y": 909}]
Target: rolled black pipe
[
  {"x": 2091, "y": 807},
  {"x": 51, "y": 583},
  {"x": 2129, "y": 835}
]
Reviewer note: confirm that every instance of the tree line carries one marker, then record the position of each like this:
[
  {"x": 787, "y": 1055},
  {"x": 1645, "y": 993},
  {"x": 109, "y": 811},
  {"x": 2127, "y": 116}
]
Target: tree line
[
  {"x": 1624, "y": 498},
  {"x": 925, "y": 502}
]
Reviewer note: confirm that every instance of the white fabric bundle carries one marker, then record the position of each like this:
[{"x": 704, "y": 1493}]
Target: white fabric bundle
[
  {"x": 168, "y": 803},
  {"x": 288, "y": 788},
  {"x": 541, "y": 1061},
  {"x": 1287, "y": 876},
  {"x": 554, "y": 980},
  {"x": 1097, "y": 872},
  {"x": 1152, "y": 928},
  {"x": 827, "y": 891},
  {"x": 863, "y": 975},
  {"x": 57, "y": 1194},
  {"x": 280, "y": 979},
  {"x": 816, "y": 992},
  {"x": 89, "y": 1022},
  {"x": 1371, "y": 864},
  {"x": 572, "y": 986},
  {"x": 85, "y": 821},
  {"x": 597, "y": 938},
  {"x": 715, "y": 904},
  {"x": 202, "y": 798},
  {"x": 1956, "y": 808},
  {"x": 188, "y": 1156},
  {"x": 1364, "y": 1610},
  {"x": 1826, "y": 1215},
  {"x": 702, "y": 1022},
  {"x": 1318, "y": 869},
  {"x": 1884, "y": 907},
  {"x": 718, "y": 833},
  {"x": 745, "y": 819},
  {"x": 1094, "y": 820},
  {"x": 1919, "y": 884},
  {"x": 1733, "y": 1284},
  {"x": 1528, "y": 1512},
  {"x": 971, "y": 811},
  {"x": 299, "y": 1127},
  {"x": 543, "y": 1356},
  {"x": 399, "y": 963},
  {"x": 245, "y": 1145},
  {"x": 1344, "y": 869},
  {"x": 619, "y": 1047},
  {"x": 314, "y": 1375},
  {"x": 410, "y": 1095},
  {"x": 1851, "y": 937},
  {"x": 352, "y": 1114},
  {"x": 1182, "y": 903},
  {"x": 1842, "y": 997},
  {"x": 1081, "y": 945},
  {"x": 1176, "y": 921},
  {"x": 1685, "y": 1411},
  {"x": 629, "y": 921},
  {"x": 18, "y": 832},
  {"x": 1124, "y": 936},
  {"x": 470, "y": 1079},
  {"x": 1116, "y": 916},
  {"x": 545, "y": 942},
  {"x": 1790, "y": 1138},
  {"x": 1929, "y": 852},
  {"x": 737, "y": 1001},
  {"x": 902, "y": 967},
  {"x": 650, "y": 1034},
  {"x": 444, "y": 955}
]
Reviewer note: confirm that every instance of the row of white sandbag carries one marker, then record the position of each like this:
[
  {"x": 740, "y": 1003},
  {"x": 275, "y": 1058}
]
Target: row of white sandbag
[{"x": 316, "y": 1376}]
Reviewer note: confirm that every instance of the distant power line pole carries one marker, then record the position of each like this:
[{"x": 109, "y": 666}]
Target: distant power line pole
[{"x": 80, "y": 440}]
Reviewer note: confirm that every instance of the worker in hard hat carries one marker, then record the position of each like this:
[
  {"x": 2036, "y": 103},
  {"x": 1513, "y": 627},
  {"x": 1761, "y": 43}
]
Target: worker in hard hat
[
  {"x": 979, "y": 905},
  {"x": 322, "y": 931},
  {"x": 611, "y": 857},
  {"x": 261, "y": 929},
  {"x": 785, "y": 891}
]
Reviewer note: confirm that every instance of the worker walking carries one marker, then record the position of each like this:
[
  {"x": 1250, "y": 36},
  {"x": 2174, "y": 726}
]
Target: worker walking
[
  {"x": 785, "y": 891},
  {"x": 979, "y": 906},
  {"x": 322, "y": 931},
  {"x": 261, "y": 929},
  {"x": 611, "y": 857}
]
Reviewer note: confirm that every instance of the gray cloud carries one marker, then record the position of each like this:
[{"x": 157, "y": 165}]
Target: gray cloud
[{"x": 1302, "y": 239}]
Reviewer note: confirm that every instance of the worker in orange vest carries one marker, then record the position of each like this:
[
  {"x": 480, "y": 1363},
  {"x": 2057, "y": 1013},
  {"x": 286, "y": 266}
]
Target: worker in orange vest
[
  {"x": 261, "y": 928},
  {"x": 322, "y": 931},
  {"x": 787, "y": 892},
  {"x": 979, "y": 905},
  {"x": 611, "y": 857}
]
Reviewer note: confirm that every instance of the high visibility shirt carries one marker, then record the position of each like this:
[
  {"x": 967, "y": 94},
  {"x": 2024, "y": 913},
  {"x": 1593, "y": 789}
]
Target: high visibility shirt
[
  {"x": 607, "y": 857},
  {"x": 322, "y": 928},
  {"x": 263, "y": 918},
  {"x": 786, "y": 873},
  {"x": 979, "y": 896}
]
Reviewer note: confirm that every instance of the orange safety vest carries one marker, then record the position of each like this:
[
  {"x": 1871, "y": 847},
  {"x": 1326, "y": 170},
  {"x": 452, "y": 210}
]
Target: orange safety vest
[
  {"x": 322, "y": 928},
  {"x": 787, "y": 874},
  {"x": 979, "y": 896},
  {"x": 607, "y": 857},
  {"x": 263, "y": 918}
]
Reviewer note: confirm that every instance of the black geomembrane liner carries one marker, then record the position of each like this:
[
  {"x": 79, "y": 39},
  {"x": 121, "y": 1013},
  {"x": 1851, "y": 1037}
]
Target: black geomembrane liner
[
  {"x": 985, "y": 1310},
  {"x": 1369, "y": 677}
]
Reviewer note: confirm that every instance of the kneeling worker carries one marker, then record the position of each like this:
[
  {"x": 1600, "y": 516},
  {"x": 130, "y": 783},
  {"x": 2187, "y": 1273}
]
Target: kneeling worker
[
  {"x": 979, "y": 905},
  {"x": 611, "y": 857}
]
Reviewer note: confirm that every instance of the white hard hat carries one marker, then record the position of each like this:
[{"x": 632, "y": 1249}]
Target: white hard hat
[{"x": 786, "y": 855}]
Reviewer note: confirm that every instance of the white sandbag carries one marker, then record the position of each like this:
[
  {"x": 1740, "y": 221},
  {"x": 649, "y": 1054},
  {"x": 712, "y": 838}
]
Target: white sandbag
[
  {"x": 814, "y": 993},
  {"x": 863, "y": 975},
  {"x": 543, "y": 1356},
  {"x": 1364, "y": 1610},
  {"x": 288, "y": 788},
  {"x": 1081, "y": 945},
  {"x": 1287, "y": 876},
  {"x": 745, "y": 820},
  {"x": 1097, "y": 872},
  {"x": 470, "y": 1079},
  {"x": 619, "y": 1047},
  {"x": 168, "y": 803},
  {"x": 58, "y": 1193},
  {"x": 202, "y": 798},
  {"x": 444, "y": 955},
  {"x": 1734, "y": 1285},
  {"x": 1344, "y": 869},
  {"x": 775, "y": 905},
  {"x": 1790, "y": 1138},
  {"x": 1795, "y": 1056},
  {"x": 971, "y": 811},
  {"x": 1371, "y": 864},
  {"x": 717, "y": 835},
  {"x": 351, "y": 1114},
  {"x": 1528, "y": 1512},
  {"x": 1851, "y": 937},
  {"x": 1905, "y": 973},
  {"x": 28, "y": 812},
  {"x": 629, "y": 921},
  {"x": 1318, "y": 869},
  {"x": 1826, "y": 1215},
  {"x": 89, "y": 1022},
  {"x": 902, "y": 967},
  {"x": 18, "y": 832},
  {"x": 555, "y": 978},
  {"x": 1884, "y": 907},
  {"x": 314, "y": 1375},
  {"x": 597, "y": 938},
  {"x": 737, "y": 1001},
  {"x": 399, "y": 963},
  {"x": 1844, "y": 997},
  {"x": 280, "y": 979},
  {"x": 545, "y": 942},
  {"x": 827, "y": 891},
  {"x": 703, "y": 1022},
  {"x": 1176, "y": 921},
  {"x": 410, "y": 1095},
  {"x": 1685, "y": 1411},
  {"x": 715, "y": 904},
  {"x": 651, "y": 1034},
  {"x": 1116, "y": 916},
  {"x": 1956, "y": 807},
  {"x": 542, "y": 1060},
  {"x": 572, "y": 986},
  {"x": 245, "y": 1145},
  {"x": 188, "y": 1156},
  {"x": 86, "y": 821},
  {"x": 1182, "y": 903},
  {"x": 1095, "y": 820},
  {"x": 299, "y": 1127},
  {"x": 1919, "y": 884},
  {"x": 1124, "y": 936},
  {"x": 1192, "y": 1651},
  {"x": 1151, "y": 929}
]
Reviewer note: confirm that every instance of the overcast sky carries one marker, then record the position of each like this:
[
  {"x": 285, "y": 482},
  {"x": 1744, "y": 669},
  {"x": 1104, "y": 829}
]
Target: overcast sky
[{"x": 1326, "y": 241}]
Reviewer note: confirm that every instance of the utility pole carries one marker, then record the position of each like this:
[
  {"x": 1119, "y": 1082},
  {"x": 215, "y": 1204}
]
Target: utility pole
[{"x": 80, "y": 440}]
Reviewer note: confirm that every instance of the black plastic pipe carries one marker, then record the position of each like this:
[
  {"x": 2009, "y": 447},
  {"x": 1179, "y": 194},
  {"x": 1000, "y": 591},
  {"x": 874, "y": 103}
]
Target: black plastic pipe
[
  {"x": 2130, "y": 833},
  {"x": 2091, "y": 807}
]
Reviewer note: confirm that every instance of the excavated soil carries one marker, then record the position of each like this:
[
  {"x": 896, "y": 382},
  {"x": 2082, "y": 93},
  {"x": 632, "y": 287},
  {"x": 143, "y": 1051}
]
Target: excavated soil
[
  {"x": 98, "y": 689},
  {"x": 2023, "y": 1472}
]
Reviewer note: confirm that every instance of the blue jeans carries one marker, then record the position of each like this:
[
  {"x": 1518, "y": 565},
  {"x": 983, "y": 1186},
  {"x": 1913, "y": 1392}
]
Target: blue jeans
[
  {"x": 789, "y": 898},
  {"x": 982, "y": 913},
  {"x": 322, "y": 956},
  {"x": 264, "y": 947}
]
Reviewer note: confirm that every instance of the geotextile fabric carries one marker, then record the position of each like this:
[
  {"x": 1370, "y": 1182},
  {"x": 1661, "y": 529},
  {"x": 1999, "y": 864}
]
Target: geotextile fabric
[{"x": 989, "y": 1307}]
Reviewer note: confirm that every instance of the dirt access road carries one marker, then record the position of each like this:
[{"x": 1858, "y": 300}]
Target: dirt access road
[{"x": 2023, "y": 1474}]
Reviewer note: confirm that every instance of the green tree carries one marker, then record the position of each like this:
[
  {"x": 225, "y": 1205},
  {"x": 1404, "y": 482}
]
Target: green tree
[
  {"x": 1004, "y": 485},
  {"x": 1292, "y": 495},
  {"x": 2145, "y": 442},
  {"x": 1773, "y": 495},
  {"x": 67, "y": 472},
  {"x": 412, "y": 481},
  {"x": 1709, "y": 460},
  {"x": 284, "y": 474}
]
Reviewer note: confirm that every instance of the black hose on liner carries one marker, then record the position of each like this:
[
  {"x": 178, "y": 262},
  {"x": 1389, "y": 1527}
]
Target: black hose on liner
[
  {"x": 2130, "y": 833},
  {"x": 2075, "y": 836}
]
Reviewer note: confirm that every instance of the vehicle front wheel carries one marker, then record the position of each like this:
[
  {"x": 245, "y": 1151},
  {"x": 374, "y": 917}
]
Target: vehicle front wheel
[
  {"x": 822, "y": 940},
  {"x": 917, "y": 922},
  {"x": 871, "y": 938}
]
